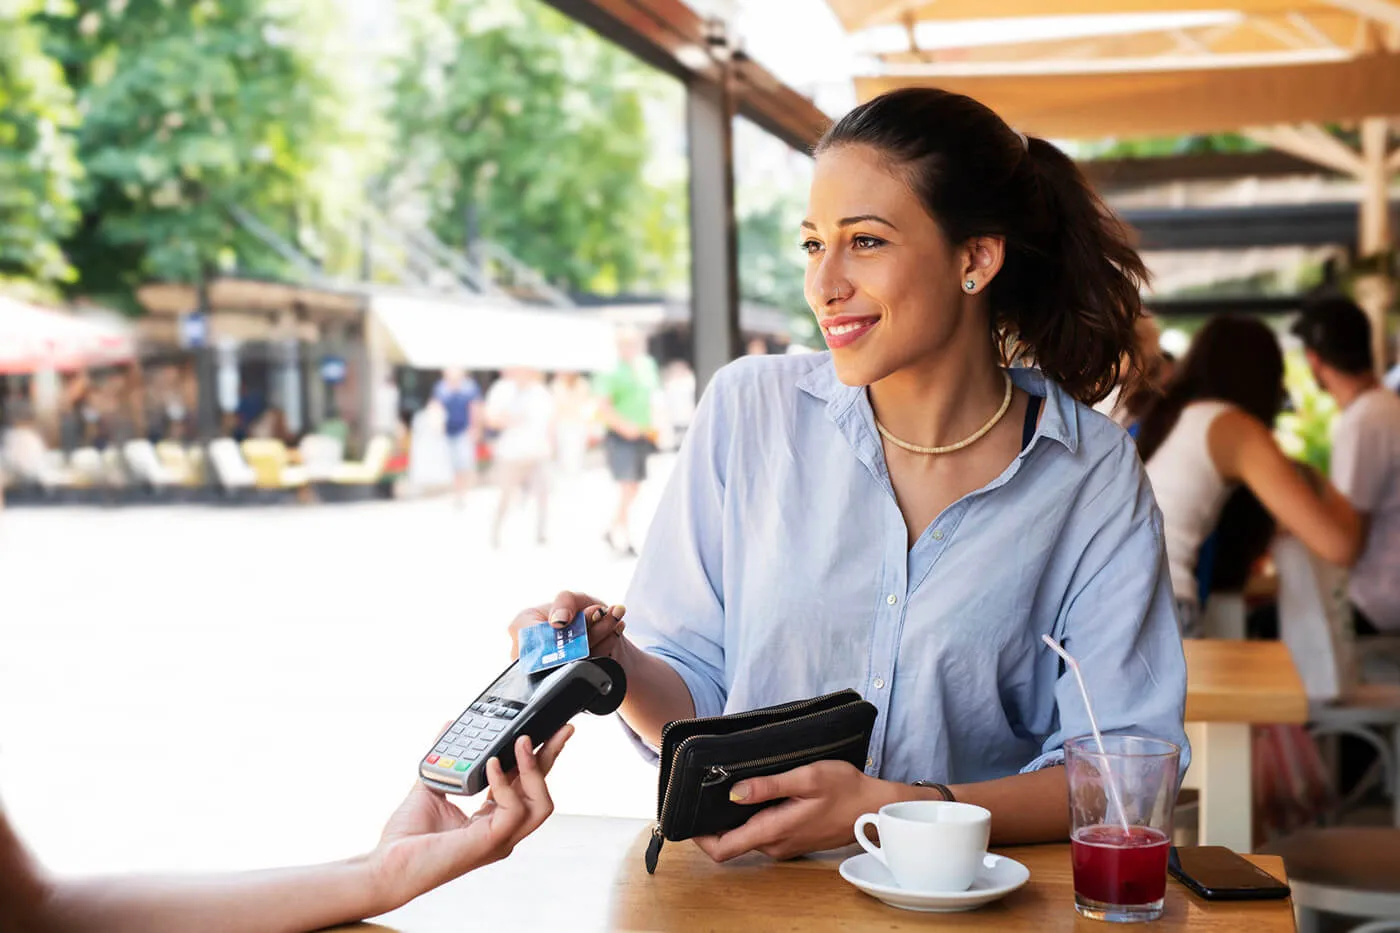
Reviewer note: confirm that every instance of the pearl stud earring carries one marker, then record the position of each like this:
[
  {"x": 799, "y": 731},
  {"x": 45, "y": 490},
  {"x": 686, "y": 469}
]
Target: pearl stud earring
[{"x": 970, "y": 285}]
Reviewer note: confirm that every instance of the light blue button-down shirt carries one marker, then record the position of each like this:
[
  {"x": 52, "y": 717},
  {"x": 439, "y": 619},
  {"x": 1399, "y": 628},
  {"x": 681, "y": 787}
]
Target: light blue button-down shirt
[{"x": 778, "y": 568}]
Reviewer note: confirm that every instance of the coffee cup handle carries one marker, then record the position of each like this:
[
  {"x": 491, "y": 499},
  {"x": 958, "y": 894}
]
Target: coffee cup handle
[{"x": 869, "y": 819}]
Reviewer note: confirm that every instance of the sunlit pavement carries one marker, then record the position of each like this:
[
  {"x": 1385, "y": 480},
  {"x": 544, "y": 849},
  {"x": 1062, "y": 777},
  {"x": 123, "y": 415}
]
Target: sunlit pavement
[{"x": 199, "y": 688}]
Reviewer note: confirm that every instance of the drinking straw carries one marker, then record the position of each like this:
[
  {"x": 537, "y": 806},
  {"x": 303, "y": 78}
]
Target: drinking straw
[{"x": 1113, "y": 796}]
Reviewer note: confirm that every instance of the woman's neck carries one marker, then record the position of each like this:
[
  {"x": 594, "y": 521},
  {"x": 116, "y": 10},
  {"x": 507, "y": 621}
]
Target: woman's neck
[{"x": 939, "y": 402}]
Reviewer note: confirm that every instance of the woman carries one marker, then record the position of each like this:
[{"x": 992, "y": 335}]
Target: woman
[
  {"x": 808, "y": 541},
  {"x": 1213, "y": 431}
]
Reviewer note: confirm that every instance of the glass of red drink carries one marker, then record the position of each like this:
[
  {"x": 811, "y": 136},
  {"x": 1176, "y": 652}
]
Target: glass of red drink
[{"x": 1121, "y": 802}]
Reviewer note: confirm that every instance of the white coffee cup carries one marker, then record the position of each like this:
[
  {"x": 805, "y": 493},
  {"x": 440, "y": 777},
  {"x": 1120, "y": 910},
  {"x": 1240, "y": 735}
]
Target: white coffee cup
[{"x": 929, "y": 845}]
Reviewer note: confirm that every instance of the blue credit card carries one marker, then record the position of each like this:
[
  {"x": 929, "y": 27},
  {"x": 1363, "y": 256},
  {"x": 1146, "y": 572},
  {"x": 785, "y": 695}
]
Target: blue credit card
[{"x": 543, "y": 646}]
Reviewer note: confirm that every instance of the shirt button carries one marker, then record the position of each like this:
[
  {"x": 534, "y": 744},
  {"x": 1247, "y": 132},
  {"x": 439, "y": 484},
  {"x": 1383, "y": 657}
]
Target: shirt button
[
  {"x": 891, "y": 599},
  {"x": 879, "y": 683},
  {"x": 869, "y": 763},
  {"x": 937, "y": 534}
]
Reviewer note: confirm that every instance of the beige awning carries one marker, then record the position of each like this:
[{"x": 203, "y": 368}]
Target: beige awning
[
  {"x": 1194, "y": 66},
  {"x": 437, "y": 332},
  {"x": 856, "y": 15},
  {"x": 1164, "y": 103}
]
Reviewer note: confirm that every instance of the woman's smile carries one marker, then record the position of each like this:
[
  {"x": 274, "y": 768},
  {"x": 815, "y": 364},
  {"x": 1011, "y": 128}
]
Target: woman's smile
[{"x": 847, "y": 329}]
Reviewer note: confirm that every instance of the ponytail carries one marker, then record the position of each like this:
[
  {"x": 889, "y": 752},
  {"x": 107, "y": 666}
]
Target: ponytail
[{"x": 1067, "y": 297}]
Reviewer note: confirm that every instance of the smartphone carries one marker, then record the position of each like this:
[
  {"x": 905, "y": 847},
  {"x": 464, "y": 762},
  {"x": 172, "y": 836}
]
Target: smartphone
[{"x": 1218, "y": 874}]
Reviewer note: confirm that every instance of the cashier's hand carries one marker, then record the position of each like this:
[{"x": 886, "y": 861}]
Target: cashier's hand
[
  {"x": 429, "y": 841},
  {"x": 824, "y": 801},
  {"x": 605, "y": 625}
]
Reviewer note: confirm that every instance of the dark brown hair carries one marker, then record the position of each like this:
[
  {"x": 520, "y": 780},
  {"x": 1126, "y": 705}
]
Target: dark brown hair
[
  {"x": 1068, "y": 293},
  {"x": 1233, "y": 359}
]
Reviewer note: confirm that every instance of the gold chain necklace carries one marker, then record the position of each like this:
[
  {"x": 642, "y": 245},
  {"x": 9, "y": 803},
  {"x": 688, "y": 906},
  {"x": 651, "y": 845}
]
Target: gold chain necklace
[{"x": 972, "y": 439}]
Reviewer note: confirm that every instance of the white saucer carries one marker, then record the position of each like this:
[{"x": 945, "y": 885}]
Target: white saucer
[{"x": 998, "y": 877}]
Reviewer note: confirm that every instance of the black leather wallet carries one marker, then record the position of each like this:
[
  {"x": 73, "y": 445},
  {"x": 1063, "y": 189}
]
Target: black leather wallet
[{"x": 701, "y": 759}]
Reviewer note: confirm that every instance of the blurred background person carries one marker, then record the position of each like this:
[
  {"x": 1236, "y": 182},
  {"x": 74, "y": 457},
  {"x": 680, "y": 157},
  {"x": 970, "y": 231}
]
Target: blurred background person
[
  {"x": 251, "y": 406},
  {"x": 429, "y": 459},
  {"x": 166, "y": 406},
  {"x": 272, "y": 425},
  {"x": 1336, "y": 337},
  {"x": 521, "y": 409},
  {"x": 625, "y": 406},
  {"x": 678, "y": 391},
  {"x": 1213, "y": 430},
  {"x": 573, "y": 421},
  {"x": 460, "y": 398}
]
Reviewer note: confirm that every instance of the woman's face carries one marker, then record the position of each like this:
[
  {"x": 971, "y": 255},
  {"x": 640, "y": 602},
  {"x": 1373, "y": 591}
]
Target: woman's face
[{"x": 882, "y": 279}]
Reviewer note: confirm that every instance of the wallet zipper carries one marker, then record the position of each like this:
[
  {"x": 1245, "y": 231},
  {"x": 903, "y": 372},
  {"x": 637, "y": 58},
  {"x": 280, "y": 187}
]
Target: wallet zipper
[
  {"x": 671, "y": 782},
  {"x": 657, "y": 839},
  {"x": 766, "y": 711},
  {"x": 718, "y": 774}
]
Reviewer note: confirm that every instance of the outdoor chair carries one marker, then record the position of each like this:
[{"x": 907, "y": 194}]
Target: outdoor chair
[
  {"x": 1224, "y": 616},
  {"x": 146, "y": 467},
  {"x": 235, "y": 477},
  {"x": 87, "y": 466},
  {"x": 35, "y": 473},
  {"x": 321, "y": 456},
  {"x": 371, "y": 468},
  {"x": 271, "y": 464},
  {"x": 359, "y": 479},
  {"x": 1315, "y": 623},
  {"x": 1351, "y": 871}
]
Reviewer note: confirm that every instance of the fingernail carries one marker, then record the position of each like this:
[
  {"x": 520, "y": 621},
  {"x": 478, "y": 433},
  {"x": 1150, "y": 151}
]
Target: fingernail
[
  {"x": 559, "y": 615},
  {"x": 618, "y": 610},
  {"x": 597, "y": 614},
  {"x": 739, "y": 793}
]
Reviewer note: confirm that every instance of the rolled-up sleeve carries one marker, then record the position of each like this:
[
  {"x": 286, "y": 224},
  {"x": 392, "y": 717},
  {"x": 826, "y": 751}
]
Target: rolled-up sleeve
[
  {"x": 675, "y": 605},
  {"x": 1120, "y": 624}
]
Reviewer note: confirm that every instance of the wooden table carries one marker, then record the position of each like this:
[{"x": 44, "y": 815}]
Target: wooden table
[
  {"x": 1230, "y": 686},
  {"x": 586, "y": 873}
]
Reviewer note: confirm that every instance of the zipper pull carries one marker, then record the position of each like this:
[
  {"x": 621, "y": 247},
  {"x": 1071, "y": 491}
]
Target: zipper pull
[
  {"x": 654, "y": 848},
  {"x": 716, "y": 775}
]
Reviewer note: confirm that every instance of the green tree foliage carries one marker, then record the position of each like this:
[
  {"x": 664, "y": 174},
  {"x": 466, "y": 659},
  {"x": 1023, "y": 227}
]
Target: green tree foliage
[
  {"x": 519, "y": 126},
  {"x": 1159, "y": 147},
  {"x": 771, "y": 265},
  {"x": 191, "y": 107},
  {"x": 38, "y": 170}
]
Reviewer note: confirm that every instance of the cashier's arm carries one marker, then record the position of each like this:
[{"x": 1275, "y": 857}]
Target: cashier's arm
[{"x": 427, "y": 842}]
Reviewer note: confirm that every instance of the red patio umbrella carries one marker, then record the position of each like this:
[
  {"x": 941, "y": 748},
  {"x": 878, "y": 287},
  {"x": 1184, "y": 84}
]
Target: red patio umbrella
[{"x": 34, "y": 339}]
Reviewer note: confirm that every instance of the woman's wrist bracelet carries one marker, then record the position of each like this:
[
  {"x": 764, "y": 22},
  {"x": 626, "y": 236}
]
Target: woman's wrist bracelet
[{"x": 942, "y": 789}]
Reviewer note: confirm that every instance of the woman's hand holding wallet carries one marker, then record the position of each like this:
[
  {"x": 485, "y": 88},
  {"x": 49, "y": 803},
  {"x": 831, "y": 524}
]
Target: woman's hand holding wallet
[{"x": 824, "y": 799}]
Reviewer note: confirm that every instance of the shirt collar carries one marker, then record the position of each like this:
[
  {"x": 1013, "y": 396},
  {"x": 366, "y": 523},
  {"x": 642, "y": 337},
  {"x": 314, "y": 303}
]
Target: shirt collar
[{"x": 1059, "y": 420}]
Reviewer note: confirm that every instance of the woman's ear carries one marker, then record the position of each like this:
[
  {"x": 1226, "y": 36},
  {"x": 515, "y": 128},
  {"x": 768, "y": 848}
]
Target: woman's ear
[{"x": 982, "y": 258}]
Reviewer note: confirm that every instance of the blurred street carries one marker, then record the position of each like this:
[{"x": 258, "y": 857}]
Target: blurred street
[{"x": 201, "y": 688}]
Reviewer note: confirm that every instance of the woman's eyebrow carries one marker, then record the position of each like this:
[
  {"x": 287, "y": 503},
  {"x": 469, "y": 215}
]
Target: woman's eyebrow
[{"x": 848, "y": 221}]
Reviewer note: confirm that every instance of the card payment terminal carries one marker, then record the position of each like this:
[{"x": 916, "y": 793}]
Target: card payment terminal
[{"x": 537, "y": 705}]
